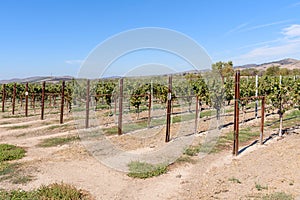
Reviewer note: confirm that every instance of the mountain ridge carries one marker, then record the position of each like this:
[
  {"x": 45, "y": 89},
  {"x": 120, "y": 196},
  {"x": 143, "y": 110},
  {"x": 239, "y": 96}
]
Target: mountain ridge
[{"x": 289, "y": 63}]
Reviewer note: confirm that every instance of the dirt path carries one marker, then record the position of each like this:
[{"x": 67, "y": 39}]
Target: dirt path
[{"x": 274, "y": 165}]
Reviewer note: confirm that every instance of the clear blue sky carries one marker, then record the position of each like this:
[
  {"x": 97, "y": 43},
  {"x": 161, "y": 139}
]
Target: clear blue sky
[{"x": 44, "y": 37}]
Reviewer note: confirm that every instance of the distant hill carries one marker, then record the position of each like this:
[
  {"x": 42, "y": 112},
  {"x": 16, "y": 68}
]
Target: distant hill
[
  {"x": 288, "y": 63},
  {"x": 38, "y": 79}
]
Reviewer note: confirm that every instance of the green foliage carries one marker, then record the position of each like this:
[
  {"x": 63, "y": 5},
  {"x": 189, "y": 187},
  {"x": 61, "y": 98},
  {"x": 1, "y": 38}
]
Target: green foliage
[
  {"x": 295, "y": 92},
  {"x": 229, "y": 89},
  {"x": 273, "y": 71},
  {"x": 224, "y": 69},
  {"x": 282, "y": 94},
  {"x": 145, "y": 170},
  {"x": 199, "y": 87},
  {"x": 249, "y": 72},
  {"x": 54, "y": 192},
  {"x": 104, "y": 89},
  {"x": 141, "y": 93},
  {"x": 10, "y": 152},
  {"x": 218, "y": 92},
  {"x": 51, "y": 142}
]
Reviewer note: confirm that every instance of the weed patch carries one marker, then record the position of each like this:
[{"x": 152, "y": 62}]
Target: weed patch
[
  {"x": 10, "y": 152},
  {"x": 51, "y": 142},
  {"x": 54, "y": 192},
  {"x": 145, "y": 170}
]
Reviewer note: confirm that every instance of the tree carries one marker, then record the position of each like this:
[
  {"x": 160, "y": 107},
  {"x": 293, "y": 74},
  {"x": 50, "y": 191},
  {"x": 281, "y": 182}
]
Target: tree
[
  {"x": 224, "y": 69},
  {"x": 273, "y": 71},
  {"x": 216, "y": 87},
  {"x": 249, "y": 72}
]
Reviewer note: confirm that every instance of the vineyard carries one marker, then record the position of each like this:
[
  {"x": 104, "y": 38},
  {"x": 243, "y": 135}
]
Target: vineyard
[
  {"x": 145, "y": 101},
  {"x": 195, "y": 112}
]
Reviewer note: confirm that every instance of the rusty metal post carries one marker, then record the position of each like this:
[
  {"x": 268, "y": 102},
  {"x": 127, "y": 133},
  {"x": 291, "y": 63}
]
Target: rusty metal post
[
  {"x": 169, "y": 107},
  {"x": 236, "y": 114},
  {"x": 3, "y": 97},
  {"x": 262, "y": 119},
  {"x": 149, "y": 109},
  {"x": 26, "y": 100},
  {"x": 87, "y": 105},
  {"x": 62, "y": 103},
  {"x": 14, "y": 98},
  {"x": 120, "y": 107},
  {"x": 197, "y": 114},
  {"x": 43, "y": 100}
]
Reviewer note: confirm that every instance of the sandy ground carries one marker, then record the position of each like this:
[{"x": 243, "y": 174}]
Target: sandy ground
[{"x": 274, "y": 165}]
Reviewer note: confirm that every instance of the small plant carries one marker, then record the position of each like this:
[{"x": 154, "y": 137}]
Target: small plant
[
  {"x": 234, "y": 180},
  {"x": 6, "y": 168},
  {"x": 278, "y": 196},
  {"x": 185, "y": 159},
  {"x": 260, "y": 187},
  {"x": 145, "y": 170},
  {"x": 51, "y": 142},
  {"x": 10, "y": 152},
  {"x": 192, "y": 150}
]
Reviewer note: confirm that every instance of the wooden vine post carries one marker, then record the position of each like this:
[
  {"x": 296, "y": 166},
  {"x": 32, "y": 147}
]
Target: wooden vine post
[
  {"x": 263, "y": 101},
  {"x": 26, "y": 100},
  {"x": 120, "y": 107},
  {"x": 3, "y": 97},
  {"x": 197, "y": 114},
  {"x": 61, "y": 121},
  {"x": 87, "y": 105},
  {"x": 14, "y": 99},
  {"x": 169, "y": 107},
  {"x": 43, "y": 100},
  {"x": 236, "y": 114}
]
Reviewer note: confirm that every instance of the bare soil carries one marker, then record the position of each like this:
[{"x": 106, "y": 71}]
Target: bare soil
[{"x": 274, "y": 165}]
